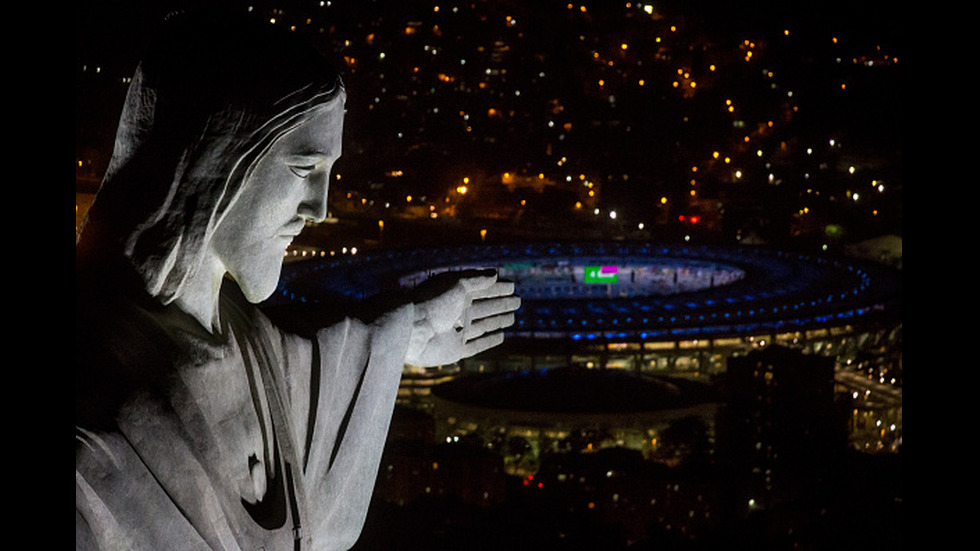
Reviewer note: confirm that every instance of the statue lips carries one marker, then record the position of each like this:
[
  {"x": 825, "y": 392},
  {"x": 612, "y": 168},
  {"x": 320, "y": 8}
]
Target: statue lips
[{"x": 290, "y": 230}]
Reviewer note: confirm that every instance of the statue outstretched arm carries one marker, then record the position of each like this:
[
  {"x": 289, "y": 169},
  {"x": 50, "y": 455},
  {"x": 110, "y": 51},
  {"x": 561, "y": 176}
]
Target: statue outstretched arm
[{"x": 453, "y": 316}]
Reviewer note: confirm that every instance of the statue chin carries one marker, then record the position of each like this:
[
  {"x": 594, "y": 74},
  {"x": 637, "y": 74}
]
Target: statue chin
[{"x": 259, "y": 284}]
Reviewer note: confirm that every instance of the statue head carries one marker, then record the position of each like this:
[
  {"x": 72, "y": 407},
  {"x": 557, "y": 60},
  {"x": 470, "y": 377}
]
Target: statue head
[
  {"x": 286, "y": 187},
  {"x": 223, "y": 151}
]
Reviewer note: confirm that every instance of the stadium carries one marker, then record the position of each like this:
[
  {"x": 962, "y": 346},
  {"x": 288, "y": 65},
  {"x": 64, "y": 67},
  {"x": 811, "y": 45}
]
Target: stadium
[
  {"x": 616, "y": 344},
  {"x": 628, "y": 292},
  {"x": 669, "y": 311}
]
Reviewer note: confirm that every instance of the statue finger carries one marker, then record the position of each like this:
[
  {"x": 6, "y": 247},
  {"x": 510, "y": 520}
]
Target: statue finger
[
  {"x": 483, "y": 343},
  {"x": 488, "y": 325},
  {"x": 462, "y": 282},
  {"x": 477, "y": 281},
  {"x": 486, "y": 308},
  {"x": 499, "y": 288}
]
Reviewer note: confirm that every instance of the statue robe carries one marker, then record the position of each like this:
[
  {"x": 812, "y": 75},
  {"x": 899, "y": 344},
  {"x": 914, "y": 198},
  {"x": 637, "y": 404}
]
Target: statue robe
[{"x": 189, "y": 438}]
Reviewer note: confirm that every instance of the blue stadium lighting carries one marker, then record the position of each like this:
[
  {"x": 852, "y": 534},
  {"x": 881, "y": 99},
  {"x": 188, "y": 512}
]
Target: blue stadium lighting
[{"x": 814, "y": 289}]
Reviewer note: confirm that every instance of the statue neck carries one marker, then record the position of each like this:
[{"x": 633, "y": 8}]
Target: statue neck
[{"x": 200, "y": 295}]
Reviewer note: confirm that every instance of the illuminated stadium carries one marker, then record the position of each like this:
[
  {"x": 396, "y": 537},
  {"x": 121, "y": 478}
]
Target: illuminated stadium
[
  {"x": 661, "y": 320},
  {"x": 616, "y": 345},
  {"x": 627, "y": 292}
]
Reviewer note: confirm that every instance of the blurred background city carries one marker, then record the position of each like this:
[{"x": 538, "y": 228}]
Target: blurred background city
[{"x": 761, "y": 124}]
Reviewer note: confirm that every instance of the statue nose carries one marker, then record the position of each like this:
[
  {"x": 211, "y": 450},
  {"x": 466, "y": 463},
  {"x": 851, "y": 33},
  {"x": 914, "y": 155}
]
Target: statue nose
[{"x": 314, "y": 206}]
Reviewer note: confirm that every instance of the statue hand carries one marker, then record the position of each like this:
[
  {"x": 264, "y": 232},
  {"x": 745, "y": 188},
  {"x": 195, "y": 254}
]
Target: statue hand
[{"x": 459, "y": 314}]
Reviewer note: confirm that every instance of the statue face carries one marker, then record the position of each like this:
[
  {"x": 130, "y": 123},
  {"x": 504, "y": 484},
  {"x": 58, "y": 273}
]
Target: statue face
[{"x": 286, "y": 188}]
